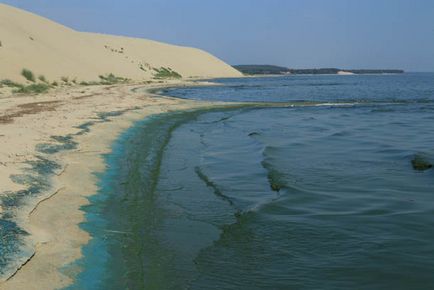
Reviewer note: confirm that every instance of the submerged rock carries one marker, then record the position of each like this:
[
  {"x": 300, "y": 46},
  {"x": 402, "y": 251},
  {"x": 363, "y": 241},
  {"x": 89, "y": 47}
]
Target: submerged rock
[
  {"x": 275, "y": 186},
  {"x": 420, "y": 163}
]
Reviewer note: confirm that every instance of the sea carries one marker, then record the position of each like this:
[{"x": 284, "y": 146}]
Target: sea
[{"x": 317, "y": 192}]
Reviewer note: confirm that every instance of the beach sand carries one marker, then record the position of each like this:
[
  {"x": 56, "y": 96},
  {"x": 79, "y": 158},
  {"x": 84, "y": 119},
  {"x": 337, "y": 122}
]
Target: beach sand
[
  {"x": 52, "y": 219},
  {"x": 55, "y": 51},
  {"x": 86, "y": 119}
]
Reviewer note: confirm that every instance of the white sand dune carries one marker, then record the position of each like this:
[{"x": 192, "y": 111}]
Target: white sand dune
[
  {"x": 51, "y": 218},
  {"x": 53, "y": 50},
  {"x": 46, "y": 48}
]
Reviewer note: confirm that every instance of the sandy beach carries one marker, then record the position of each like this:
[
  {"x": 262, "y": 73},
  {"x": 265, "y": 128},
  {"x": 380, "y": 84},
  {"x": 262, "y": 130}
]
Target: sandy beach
[
  {"x": 230, "y": 145},
  {"x": 52, "y": 218},
  {"x": 65, "y": 96}
]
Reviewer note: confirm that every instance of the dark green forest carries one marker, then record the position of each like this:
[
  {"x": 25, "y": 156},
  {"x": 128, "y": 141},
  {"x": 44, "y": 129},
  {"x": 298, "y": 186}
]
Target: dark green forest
[{"x": 279, "y": 70}]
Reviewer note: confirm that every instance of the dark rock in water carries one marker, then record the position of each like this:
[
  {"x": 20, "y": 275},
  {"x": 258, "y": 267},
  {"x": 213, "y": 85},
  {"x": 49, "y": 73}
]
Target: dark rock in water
[
  {"x": 275, "y": 187},
  {"x": 254, "y": 134},
  {"x": 420, "y": 163}
]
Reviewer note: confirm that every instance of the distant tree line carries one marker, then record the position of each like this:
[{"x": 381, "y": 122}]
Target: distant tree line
[
  {"x": 375, "y": 71},
  {"x": 279, "y": 70},
  {"x": 262, "y": 69}
]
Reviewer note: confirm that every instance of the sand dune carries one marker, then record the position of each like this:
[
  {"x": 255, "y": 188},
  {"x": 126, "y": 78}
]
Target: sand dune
[
  {"x": 53, "y": 50},
  {"x": 51, "y": 218}
]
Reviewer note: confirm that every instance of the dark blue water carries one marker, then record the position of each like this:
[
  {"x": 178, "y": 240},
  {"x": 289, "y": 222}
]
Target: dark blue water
[
  {"x": 409, "y": 87},
  {"x": 319, "y": 196}
]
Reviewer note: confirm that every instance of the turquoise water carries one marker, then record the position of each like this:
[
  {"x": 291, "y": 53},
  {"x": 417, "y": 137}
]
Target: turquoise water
[{"x": 317, "y": 196}]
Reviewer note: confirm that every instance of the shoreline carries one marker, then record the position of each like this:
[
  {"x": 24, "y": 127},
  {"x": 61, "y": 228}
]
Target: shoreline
[
  {"x": 53, "y": 217},
  {"x": 67, "y": 135},
  {"x": 63, "y": 137}
]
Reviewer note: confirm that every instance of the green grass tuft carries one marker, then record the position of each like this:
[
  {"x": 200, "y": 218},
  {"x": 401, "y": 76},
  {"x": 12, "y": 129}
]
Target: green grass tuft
[
  {"x": 43, "y": 79},
  {"x": 111, "y": 79},
  {"x": 9, "y": 83},
  {"x": 28, "y": 75},
  {"x": 166, "y": 73},
  {"x": 33, "y": 89}
]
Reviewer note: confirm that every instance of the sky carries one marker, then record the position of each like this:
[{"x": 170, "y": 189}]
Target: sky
[{"x": 293, "y": 33}]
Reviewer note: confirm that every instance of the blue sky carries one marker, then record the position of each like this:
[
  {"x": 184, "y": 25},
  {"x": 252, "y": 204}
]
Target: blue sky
[{"x": 293, "y": 33}]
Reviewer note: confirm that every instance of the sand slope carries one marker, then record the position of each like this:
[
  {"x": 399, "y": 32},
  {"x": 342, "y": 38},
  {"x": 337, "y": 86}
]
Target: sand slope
[{"x": 53, "y": 50}]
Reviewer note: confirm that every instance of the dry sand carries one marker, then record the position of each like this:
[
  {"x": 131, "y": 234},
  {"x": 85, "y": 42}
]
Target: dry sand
[
  {"x": 53, "y": 218},
  {"x": 26, "y": 121},
  {"x": 53, "y": 50}
]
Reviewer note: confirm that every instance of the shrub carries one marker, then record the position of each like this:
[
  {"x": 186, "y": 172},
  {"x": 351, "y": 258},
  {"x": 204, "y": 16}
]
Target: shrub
[
  {"x": 65, "y": 79},
  {"x": 33, "y": 89},
  {"x": 9, "y": 83},
  {"x": 43, "y": 79},
  {"x": 111, "y": 79},
  {"x": 166, "y": 73},
  {"x": 28, "y": 75},
  {"x": 89, "y": 83}
]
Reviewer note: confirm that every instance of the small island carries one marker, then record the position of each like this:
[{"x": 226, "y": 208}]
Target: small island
[{"x": 280, "y": 70}]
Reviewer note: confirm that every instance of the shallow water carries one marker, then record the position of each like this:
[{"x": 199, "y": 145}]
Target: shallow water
[{"x": 321, "y": 196}]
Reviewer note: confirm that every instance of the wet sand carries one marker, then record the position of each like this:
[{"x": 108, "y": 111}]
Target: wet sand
[{"x": 52, "y": 218}]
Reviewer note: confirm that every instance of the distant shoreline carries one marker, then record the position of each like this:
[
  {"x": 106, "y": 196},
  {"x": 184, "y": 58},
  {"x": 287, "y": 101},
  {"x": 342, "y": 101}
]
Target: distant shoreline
[{"x": 279, "y": 70}]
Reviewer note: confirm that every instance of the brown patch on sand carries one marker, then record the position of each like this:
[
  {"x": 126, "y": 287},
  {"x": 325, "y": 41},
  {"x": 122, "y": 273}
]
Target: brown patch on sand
[{"x": 29, "y": 109}]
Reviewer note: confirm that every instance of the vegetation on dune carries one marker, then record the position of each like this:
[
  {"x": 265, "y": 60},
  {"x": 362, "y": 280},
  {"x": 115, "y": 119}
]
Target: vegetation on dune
[
  {"x": 92, "y": 83},
  {"x": 121, "y": 50},
  {"x": 9, "y": 83},
  {"x": 43, "y": 79},
  {"x": 33, "y": 89},
  {"x": 111, "y": 79},
  {"x": 145, "y": 66},
  {"x": 166, "y": 73},
  {"x": 23, "y": 89},
  {"x": 28, "y": 75},
  {"x": 42, "y": 85}
]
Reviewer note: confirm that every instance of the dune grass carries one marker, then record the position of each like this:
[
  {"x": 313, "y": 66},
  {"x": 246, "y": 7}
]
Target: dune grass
[
  {"x": 9, "y": 83},
  {"x": 23, "y": 89},
  {"x": 166, "y": 73},
  {"x": 28, "y": 75},
  {"x": 33, "y": 89},
  {"x": 111, "y": 79},
  {"x": 42, "y": 85},
  {"x": 43, "y": 79}
]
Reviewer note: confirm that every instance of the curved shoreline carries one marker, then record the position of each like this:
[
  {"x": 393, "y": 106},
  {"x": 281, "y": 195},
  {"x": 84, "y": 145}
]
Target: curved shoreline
[
  {"x": 96, "y": 117},
  {"x": 74, "y": 136},
  {"x": 138, "y": 151},
  {"x": 52, "y": 218}
]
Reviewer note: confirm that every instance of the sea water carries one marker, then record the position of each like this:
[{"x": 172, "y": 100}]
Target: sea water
[{"x": 320, "y": 194}]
